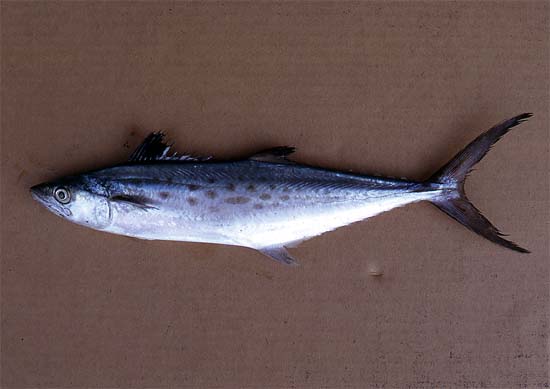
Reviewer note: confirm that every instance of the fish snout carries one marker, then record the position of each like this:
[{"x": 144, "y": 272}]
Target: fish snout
[{"x": 40, "y": 192}]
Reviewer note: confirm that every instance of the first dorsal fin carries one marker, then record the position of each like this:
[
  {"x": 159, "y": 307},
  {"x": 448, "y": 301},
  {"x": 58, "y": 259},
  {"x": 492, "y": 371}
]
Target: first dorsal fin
[
  {"x": 154, "y": 148},
  {"x": 274, "y": 155}
]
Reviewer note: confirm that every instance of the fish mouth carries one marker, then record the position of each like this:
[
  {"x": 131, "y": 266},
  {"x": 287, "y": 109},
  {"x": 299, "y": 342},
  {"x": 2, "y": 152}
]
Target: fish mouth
[{"x": 42, "y": 193}]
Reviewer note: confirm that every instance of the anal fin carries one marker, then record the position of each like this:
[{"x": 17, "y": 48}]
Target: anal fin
[{"x": 279, "y": 254}]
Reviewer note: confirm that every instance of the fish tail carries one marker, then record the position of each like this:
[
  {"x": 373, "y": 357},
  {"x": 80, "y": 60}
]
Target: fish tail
[{"x": 454, "y": 202}]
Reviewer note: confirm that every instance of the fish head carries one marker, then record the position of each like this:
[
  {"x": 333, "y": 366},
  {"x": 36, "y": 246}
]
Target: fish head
[{"x": 79, "y": 199}]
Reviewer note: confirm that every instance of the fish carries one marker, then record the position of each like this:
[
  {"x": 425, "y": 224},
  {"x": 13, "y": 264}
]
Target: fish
[{"x": 265, "y": 201}]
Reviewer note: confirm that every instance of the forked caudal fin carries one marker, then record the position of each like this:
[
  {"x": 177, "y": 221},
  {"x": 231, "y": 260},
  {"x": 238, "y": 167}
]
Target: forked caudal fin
[{"x": 455, "y": 203}]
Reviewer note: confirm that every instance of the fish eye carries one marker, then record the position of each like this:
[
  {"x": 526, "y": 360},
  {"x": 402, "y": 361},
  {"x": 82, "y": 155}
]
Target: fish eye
[{"x": 62, "y": 195}]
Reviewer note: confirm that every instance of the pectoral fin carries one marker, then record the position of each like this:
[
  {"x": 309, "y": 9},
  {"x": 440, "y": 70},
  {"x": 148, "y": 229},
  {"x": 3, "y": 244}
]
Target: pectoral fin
[
  {"x": 279, "y": 254},
  {"x": 136, "y": 201}
]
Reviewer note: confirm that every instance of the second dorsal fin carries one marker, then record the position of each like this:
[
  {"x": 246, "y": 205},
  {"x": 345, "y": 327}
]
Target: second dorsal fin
[{"x": 274, "y": 155}]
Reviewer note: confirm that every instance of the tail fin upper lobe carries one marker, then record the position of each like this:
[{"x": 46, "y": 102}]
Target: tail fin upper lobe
[{"x": 455, "y": 203}]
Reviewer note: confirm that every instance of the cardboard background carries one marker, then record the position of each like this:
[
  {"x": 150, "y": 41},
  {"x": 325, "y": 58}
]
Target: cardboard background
[{"x": 375, "y": 87}]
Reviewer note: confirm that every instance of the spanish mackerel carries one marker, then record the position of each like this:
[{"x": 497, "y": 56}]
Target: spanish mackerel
[{"x": 266, "y": 201}]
